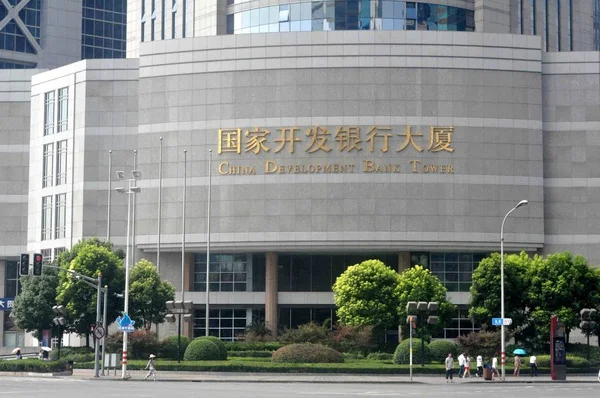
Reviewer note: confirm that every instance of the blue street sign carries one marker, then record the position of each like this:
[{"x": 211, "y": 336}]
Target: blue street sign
[
  {"x": 497, "y": 321},
  {"x": 125, "y": 323},
  {"x": 7, "y": 304}
]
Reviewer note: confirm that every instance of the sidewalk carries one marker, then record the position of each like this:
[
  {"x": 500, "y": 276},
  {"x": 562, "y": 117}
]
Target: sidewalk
[{"x": 227, "y": 377}]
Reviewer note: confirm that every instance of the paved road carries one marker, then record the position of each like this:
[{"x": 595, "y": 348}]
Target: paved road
[{"x": 69, "y": 387}]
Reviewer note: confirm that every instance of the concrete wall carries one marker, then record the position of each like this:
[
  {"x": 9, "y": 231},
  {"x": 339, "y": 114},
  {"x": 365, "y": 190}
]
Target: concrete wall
[
  {"x": 572, "y": 153},
  {"x": 270, "y": 81}
]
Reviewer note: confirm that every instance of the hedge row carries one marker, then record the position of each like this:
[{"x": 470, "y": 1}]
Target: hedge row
[
  {"x": 252, "y": 354},
  {"x": 32, "y": 365},
  {"x": 270, "y": 367},
  {"x": 233, "y": 346}
]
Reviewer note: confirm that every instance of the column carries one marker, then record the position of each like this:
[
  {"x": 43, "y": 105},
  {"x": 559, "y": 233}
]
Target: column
[
  {"x": 2, "y": 284},
  {"x": 271, "y": 299},
  {"x": 403, "y": 261}
]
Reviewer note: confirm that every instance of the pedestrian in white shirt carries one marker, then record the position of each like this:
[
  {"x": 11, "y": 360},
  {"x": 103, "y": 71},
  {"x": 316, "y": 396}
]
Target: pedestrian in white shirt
[
  {"x": 479, "y": 366},
  {"x": 533, "y": 365},
  {"x": 461, "y": 365},
  {"x": 495, "y": 367},
  {"x": 467, "y": 367}
]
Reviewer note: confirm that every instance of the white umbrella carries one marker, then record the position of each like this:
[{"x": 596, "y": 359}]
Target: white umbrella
[
  {"x": 15, "y": 350},
  {"x": 47, "y": 349}
]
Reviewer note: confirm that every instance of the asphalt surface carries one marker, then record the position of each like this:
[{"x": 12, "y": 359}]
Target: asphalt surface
[{"x": 77, "y": 387}]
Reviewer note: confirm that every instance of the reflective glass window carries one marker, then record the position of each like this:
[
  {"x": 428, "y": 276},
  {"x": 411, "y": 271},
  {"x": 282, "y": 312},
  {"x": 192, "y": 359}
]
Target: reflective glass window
[
  {"x": 255, "y": 17},
  {"x": 264, "y": 15},
  {"x": 273, "y": 14},
  {"x": 295, "y": 12},
  {"x": 318, "y": 10}
]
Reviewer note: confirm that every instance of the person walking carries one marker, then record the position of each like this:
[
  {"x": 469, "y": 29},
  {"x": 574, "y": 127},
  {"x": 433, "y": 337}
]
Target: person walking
[
  {"x": 517, "y": 366},
  {"x": 467, "y": 372},
  {"x": 449, "y": 367},
  {"x": 533, "y": 365},
  {"x": 479, "y": 366},
  {"x": 495, "y": 367},
  {"x": 461, "y": 365},
  {"x": 150, "y": 367}
]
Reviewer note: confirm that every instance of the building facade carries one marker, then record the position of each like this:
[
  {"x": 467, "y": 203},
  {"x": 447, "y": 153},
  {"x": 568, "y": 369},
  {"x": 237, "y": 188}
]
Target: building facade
[
  {"x": 37, "y": 35},
  {"x": 339, "y": 130}
]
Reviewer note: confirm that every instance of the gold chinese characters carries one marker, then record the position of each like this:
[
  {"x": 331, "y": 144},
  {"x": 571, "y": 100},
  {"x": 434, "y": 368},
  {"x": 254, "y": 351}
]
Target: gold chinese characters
[{"x": 343, "y": 138}]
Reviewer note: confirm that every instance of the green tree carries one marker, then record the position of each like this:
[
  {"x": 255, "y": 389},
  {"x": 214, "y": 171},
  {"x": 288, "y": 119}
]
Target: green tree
[
  {"x": 366, "y": 294},
  {"x": 89, "y": 257},
  {"x": 148, "y": 295},
  {"x": 561, "y": 285},
  {"x": 485, "y": 292},
  {"x": 419, "y": 284},
  {"x": 33, "y": 305}
]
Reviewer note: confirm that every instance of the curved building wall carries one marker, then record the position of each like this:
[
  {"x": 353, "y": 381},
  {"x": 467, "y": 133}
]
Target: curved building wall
[{"x": 373, "y": 140}]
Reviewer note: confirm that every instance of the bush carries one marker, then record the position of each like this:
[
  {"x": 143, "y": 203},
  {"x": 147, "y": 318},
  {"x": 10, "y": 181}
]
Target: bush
[
  {"x": 440, "y": 348},
  {"x": 307, "y": 353},
  {"x": 140, "y": 344},
  {"x": 32, "y": 365},
  {"x": 168, "y": 347},
  {"x": 251, "y": 346},
  {"x": 481, "y": 343},
  {"x": 205, "y": 349},
  {"x": 402, "y": 354},
  {"x": 543, "y": 361},
  {"x": 257, "y": 331},
  {"x": 307, "y": 333},
  {"x": 252, "y": 354},
  {"x": 67, "y": 352},
  {"x": 581, "y": 350},
  {"x": 380, "y": 356},
  {"x": 220, "y": 345},
  {"x": 357, "y": 339}
]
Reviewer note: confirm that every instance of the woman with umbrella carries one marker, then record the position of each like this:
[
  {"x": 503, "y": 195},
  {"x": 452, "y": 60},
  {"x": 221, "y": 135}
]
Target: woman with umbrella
[
  {"x": 517, "y": 361},
  {"x": 17, "y": 352}
]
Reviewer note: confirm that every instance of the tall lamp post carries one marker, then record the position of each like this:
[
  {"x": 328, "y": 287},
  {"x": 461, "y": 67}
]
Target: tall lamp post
[
  {"x": 130, "y": 191},
  {"x": 503, "y": 354}
]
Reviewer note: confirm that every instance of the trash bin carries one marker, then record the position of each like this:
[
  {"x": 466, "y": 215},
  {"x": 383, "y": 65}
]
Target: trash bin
[
  {"x": 69, "y": 365},
  {"x": 487, "y": 374}
]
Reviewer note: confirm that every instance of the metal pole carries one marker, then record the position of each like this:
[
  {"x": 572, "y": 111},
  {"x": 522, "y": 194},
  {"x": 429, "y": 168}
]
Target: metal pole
[
  {"x": 502, "y": 336},
  {"x": 126, "y": 306},
  {"x": 133, "y": 217},
  {"x": 410, "y": 327},
  {"x": 159, "y": 206},
  {"x": 179, "y": 339},
  {"x": 422, "y": 342},
  {"x": 104, "y": 325},
  {"x": 96, "y": 340},
  {"x": 59, "y": 339},
  {"x": 502, "y": 348},
  {"x": 207, "y": 300},
  {"x": 182, "y": 254},
  {"x": 109, "y": 195}
]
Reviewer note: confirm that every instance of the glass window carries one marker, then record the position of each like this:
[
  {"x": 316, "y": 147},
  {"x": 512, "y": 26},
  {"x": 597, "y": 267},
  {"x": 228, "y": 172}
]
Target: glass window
[
  {"x": 301, "y": 273},
  {"x": 11, "y": 286},
  {"x": 284, "y": 273},
  {"x": 284, "y": 14},
  {"x": 305, "y": 11},
  {"x": 63, "y": 109},
  {"x": 103, "y": 20},
  {"x": 411, "y": 10},
  {"x": 47, "y": 176},
  {"x": 49, "y": 113},
  {"x": 295, "y": 12},
  {"x": 226, "y": 324},
  {"x": 321, "y": 273},
  {"x": 228, "y": 273},
  {"x": 47, "y": 218},
  {"x": 61, "y": 162},
  {"x": 246, "y": 19},
  {"x": 255, "y": 17},
  {"x": 60, "y": 215},
  {"x": 318, "y": 10},
  {"x": 264, "y": 15}
]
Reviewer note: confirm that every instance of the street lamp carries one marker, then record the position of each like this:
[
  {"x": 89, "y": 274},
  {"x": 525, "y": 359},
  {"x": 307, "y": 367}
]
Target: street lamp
[
  {"x": 180, "y": 308},
  {"x": 130, "y": 191},
  {"x": 503, "y": 354}
]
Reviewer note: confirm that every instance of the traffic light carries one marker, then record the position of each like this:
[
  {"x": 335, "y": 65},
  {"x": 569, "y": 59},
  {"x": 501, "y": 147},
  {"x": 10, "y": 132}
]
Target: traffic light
[
  {"x": 38, "y": 261},
  {"x": 24, "y": 265},
  {"x": 587, "y": 324}
]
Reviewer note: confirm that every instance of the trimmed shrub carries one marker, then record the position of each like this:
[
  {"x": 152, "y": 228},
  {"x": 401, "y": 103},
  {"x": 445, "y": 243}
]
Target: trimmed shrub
[
  {"x": 307, "y": 353},
  {"x": 543, "y": 361},
  {"x": 380, "y": 356},
  {"x": 168, "y": 347},
  {"x": 251, "y": 346},
  {"x": 252, "y": 354},
  {"x": 439, "y": 349},
  {"x": 220, "y": 345},
  {"x": 32, "y": 365},
  {"x": 140, "y": 344},
  {"x": 402, "y": 354},
  {"x": 202, "y": 350},
  {"x": 68, "y": 352}
]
